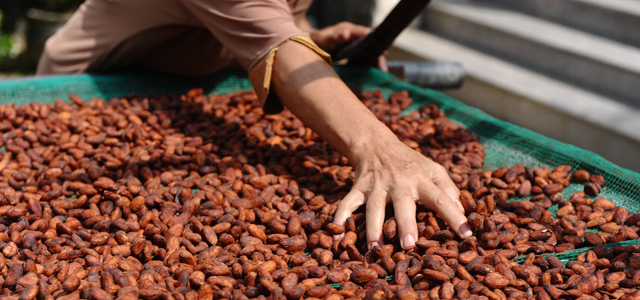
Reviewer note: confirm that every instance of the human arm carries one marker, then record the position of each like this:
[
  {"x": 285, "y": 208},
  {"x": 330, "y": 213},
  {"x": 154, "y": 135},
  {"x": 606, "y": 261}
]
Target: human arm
[
  {"x": 385, "y": 167},
  {"x": 259, "y": 34}
]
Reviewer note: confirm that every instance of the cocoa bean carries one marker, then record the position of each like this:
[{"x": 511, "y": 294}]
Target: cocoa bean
[
  {"x": 363, "y": 275},
  {"x": 206, "y": 197}
]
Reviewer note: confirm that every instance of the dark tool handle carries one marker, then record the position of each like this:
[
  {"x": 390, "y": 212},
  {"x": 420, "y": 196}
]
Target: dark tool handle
[
  {"x": 430, "y": 74},
  {"x": 366, "y": 50}
]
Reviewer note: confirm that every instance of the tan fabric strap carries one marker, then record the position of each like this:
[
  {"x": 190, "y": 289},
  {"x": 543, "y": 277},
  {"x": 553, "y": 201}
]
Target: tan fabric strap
[{"x": 269, "y": 101}]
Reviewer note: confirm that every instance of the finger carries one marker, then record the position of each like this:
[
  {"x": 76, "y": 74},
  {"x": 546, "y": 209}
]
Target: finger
[
  {"x": 351, "y": 202},
  {"x": 435, "y": 199},
  {"x": 404, "y": 206},
  {"x": 359, "y": 30},
  {"x": 444, "y": 182},
  {"x": 345, "y": 35},
  {"x": 382, "y": 63},
  {"x": 376, "y": 203},
  {"x": 353, "y": 32}
]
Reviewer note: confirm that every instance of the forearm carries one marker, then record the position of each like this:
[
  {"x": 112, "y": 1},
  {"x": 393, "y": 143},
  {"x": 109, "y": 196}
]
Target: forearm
[
  {"x": 385, "y": 167},
  {"x": 311, "y": 89}
]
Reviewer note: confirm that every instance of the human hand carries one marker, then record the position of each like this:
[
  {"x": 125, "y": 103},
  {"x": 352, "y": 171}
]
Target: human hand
[
  {"x": 386, "y": 168},
  {"x": 332, "y": 37},
  {"x": 398, "y": 174}
]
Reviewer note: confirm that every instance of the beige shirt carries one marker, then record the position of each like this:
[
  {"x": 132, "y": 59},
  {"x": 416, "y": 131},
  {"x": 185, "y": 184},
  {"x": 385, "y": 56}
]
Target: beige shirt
[
  {"x": 185, "y": 37},
  {"x": 190, "y": 37}
]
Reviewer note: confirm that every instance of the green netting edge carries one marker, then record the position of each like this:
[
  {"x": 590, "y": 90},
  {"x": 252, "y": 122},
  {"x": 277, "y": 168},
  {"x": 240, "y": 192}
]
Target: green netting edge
[
  {"x": 48, "y": 89},
  {"x": 620, "y": 182},
  {"x": 623, "y": 184},
  {"x": 527, "y": 142},
  {"x": 572, "y": 254}
]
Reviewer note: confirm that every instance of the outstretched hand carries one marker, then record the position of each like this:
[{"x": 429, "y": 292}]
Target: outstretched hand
[
  {"x": 386, "y": 169},
  {"x": 332, "y": 37},
  {"x": 402, "y": 176}
]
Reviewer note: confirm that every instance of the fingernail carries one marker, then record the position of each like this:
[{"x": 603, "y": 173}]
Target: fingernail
[
  {"x": 465, "y": 231},
  {"x": 373, "y": 244},
  {"x": 408, "y": 241}
]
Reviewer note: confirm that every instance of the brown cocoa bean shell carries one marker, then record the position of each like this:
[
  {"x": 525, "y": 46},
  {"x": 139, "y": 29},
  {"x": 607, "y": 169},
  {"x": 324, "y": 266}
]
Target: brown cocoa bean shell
[
  {"x": 495, "y": 280},
  {"x": 363, "y": 275}
]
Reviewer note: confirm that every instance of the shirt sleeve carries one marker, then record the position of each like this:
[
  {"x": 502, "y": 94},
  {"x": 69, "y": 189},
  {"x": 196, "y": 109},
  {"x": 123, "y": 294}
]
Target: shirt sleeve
[{"x": 252, "y": 30}]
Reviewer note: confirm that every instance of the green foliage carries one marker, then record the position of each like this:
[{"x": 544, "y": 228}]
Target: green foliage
[
  {"x": 5, "y": 42},
  {"x": 5, "y": 45}
]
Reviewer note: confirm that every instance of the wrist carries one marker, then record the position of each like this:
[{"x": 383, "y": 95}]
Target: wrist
[{"x": 366, "y": 145}]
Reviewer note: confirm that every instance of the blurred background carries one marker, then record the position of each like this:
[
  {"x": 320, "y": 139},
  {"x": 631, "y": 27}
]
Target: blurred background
[
  {"x": 569, "y": 69},
  {"x": 24, "y": 27}
]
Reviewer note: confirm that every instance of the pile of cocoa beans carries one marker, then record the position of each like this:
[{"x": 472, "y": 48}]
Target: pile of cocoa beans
[{"x": 205, "y": 197}]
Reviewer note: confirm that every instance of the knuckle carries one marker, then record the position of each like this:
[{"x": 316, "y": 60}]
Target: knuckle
[
  {"x": 442, "y": 200},
  {"x": 345, "y": 205},
  {"x": 375, "y": 204},
  {"x": 403, "y": 198},
  {"x": 438, "y": 168},
  {"x": 352, "y": 200}
]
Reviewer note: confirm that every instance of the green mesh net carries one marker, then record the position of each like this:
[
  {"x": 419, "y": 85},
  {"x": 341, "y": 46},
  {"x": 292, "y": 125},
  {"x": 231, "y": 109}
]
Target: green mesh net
[{"x": 506, "y": 144}]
